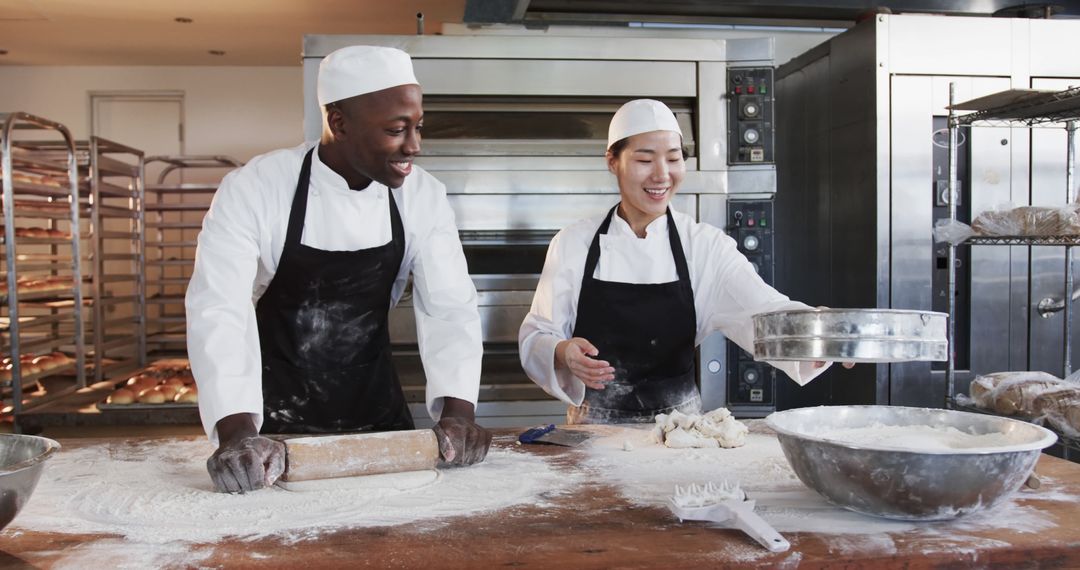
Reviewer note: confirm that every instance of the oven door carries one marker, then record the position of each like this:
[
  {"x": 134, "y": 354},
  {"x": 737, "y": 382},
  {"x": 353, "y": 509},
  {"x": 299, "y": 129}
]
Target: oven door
[{"x": 505, "y": 266}]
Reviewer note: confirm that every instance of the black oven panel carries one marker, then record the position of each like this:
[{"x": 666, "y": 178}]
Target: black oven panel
[
  {"x": 750, "y": 115},
  {"x": 751, "y": 384}
]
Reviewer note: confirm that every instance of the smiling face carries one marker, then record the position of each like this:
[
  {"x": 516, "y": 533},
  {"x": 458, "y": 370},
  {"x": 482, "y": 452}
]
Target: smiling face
[
  {"x": 378, "y": 135},
  {"x": 649, "y": 168}
]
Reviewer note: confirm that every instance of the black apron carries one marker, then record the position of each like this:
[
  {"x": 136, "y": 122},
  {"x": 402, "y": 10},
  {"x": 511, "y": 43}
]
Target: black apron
[
  {"x": 324, "y": 336},
  {"x": 646, "y": 332}
]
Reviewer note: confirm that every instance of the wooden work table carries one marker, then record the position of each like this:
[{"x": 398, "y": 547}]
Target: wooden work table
[{"x": 595, "y": 527}]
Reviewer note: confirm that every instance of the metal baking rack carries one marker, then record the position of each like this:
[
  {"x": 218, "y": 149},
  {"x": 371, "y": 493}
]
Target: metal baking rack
[
  {"x": 1016, "y": 108},
  {"x": 175, "y": 206},
  {"x": 40, "y": 193},
  {"x": 118, "y": 256},
  {"x": 111, "y": 190}
]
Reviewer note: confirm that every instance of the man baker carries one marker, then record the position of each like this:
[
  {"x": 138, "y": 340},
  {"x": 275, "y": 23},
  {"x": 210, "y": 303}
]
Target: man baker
[{"x": 301, "y": 256}]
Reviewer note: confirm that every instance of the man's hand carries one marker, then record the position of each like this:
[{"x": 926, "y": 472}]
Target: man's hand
[
  {"x": 576, "y": 354},
  {"x": 244, "y": 460},
  {"x": 461, "y": 441}
]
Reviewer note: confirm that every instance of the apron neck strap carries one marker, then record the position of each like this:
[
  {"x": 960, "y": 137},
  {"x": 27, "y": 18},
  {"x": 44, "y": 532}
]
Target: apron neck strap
[
  {"x": 299, "y": 204},
  {"x": 594, "y": 248},
  {"x": 676, "y": 249}
]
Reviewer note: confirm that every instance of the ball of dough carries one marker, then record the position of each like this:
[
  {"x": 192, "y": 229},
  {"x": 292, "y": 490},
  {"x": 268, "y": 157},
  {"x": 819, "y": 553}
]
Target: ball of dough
[
  {"x": 121, "y": 396},
  {"x": 151, "y": 396}
]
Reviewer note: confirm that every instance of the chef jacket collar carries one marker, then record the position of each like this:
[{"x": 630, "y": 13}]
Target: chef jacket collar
[
  {"x": 621, "y": 227},
  {"x": 324, "y": 178}
]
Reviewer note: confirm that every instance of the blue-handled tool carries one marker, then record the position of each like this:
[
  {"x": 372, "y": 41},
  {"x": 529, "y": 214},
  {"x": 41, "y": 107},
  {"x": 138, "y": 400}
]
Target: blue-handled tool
[
  {"x": 549, "y": 434},
  {"x": 532, "y": 434}
]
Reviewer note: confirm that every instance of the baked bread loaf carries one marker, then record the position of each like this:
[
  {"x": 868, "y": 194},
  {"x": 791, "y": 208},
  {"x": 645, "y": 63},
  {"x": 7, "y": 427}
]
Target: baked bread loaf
[
  {"x": 150, "y": 396},
  {"x": 34, "y": 364},
  {"x": 1029, "y": 221},
  {"x": 1061, "y": 409},
  {"x": 189, "y": 395},
  {"x": 175, "y": 382},
  {"x": 169, "y": 392},
  {"x": 41, "y": 233},
  {"x": 1011, "y": 393},
  {"x": 121, "y": 396}
]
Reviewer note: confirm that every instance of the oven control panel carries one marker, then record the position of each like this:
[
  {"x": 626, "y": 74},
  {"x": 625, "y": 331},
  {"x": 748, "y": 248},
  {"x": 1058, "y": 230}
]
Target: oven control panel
[
  {"x": 751, "y": 384},
  {"x": 750, "y": 115}
]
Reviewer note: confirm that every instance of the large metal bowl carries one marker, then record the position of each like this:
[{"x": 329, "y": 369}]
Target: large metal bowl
[
  {"x": 21, "y": 460},
  {"x": 852, "y": 335},
  {"x": 899, "y": 483}
]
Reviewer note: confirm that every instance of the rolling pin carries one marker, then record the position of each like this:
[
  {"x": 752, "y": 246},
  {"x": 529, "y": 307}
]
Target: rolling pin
[{"x": 330, "y": 456}]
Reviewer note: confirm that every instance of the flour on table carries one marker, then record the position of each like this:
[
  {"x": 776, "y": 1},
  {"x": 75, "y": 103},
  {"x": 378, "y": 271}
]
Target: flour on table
[
  {"x": 117, "y": 554},
  {"x": 648, "y": 475},
  {"x": 159, "y": 492},
  {"x": 717, "y": 428}
]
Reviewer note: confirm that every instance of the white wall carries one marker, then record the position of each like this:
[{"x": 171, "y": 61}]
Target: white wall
[{"x": 237, "y": 111}]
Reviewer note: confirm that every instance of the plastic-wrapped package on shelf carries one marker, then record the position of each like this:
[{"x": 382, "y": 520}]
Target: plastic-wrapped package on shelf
[
  {"x": 1060, "y": 407},
  {"x": 952, "y": 231},
  {"x": 1011, "y": 393},
  {"x": 1037, "y": 396},
  {"x": 1006, "y": 220}
]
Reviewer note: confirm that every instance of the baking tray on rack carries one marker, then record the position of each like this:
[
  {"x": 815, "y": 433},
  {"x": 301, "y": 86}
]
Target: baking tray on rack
[
  {"x": 176, "y": 364},
  {"x": 851, "y": 335},
  {"x": 105, "y": 407}
]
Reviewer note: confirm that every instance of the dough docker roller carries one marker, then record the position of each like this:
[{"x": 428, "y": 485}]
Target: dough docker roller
[
  {"x": 728, "y": 507},
  {"x": 329, "y": 456}
]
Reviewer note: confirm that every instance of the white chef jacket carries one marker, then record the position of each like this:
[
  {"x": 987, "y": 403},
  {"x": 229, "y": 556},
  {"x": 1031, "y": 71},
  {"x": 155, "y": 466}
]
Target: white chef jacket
[
  {"x": 727, "y": 291},
  {"x": 239, "y": 248}
]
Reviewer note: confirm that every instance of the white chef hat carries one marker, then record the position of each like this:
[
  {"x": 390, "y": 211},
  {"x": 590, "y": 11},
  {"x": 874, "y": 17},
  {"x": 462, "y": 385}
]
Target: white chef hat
[
  {"x": 641, "y": 116},
  {"x": 355, "y": 70}
]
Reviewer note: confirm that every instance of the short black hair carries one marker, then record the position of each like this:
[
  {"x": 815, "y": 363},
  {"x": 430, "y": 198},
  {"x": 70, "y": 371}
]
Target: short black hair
[{"x": 618, "y": 146}]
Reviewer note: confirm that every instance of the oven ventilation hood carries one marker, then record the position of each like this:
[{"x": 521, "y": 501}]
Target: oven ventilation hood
[{"x": 600, "y": 12}]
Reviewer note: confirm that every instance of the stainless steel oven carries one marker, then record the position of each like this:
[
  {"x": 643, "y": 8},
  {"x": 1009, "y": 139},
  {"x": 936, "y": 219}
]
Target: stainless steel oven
[
  {"x": 862, "y": 169},
  {"x": 516, "y": 127}
]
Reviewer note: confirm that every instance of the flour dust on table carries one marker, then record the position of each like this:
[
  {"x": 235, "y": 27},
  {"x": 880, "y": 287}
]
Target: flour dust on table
[
  {"x": 159, "y": 492},
  {"x": 647, "y": 472}
]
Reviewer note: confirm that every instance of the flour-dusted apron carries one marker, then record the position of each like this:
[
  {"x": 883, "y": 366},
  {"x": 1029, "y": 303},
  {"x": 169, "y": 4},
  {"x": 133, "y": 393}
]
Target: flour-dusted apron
[
  {"x": 324, "y": 336},
  {"x": 646, "y": 332}
]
